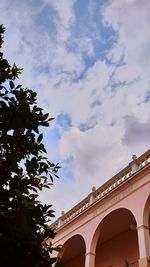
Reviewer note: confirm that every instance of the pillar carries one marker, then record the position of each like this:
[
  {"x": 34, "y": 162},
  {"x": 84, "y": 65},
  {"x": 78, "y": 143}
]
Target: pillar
[
  {"x": 90, "y": 259},
  {"x": 144, "y": 245}
]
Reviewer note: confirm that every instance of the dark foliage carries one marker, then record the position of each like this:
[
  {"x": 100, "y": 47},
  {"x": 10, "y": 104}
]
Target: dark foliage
[{"x": 23, "y": 172}]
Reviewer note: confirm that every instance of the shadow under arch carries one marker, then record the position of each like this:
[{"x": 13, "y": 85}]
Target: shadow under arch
[
  {"x": 115, "y": 239},
  {"x": 73, "y": 252}
]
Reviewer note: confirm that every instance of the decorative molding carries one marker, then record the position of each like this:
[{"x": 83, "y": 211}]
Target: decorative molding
[{"x": 116, "y": 181}]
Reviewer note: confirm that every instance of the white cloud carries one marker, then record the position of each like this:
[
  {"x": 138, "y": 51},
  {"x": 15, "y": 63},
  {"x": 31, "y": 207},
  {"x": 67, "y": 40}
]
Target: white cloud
[
  {"x": 104, "y": 149},
  {"x": 131, "y": 19},
  {"x": 92, "y": 151},
  {"x": 110, "y": 95}
]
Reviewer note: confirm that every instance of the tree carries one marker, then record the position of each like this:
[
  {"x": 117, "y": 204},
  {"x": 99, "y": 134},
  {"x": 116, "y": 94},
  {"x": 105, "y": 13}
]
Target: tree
[{"x": 23, "y": 172}]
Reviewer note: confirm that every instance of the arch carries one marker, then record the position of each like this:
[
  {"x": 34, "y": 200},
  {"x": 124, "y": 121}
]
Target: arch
[
  {"x": 111, "y": 235},
  {"x": 73, "y": 252},
  {"x": 146, "y": 213},
  {"x": 146, "y": 229},
  {"x": 100, "y": 227}
]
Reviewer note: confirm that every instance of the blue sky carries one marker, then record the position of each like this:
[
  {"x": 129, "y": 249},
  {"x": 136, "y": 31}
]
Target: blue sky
[{"x": 89, "y": 61}]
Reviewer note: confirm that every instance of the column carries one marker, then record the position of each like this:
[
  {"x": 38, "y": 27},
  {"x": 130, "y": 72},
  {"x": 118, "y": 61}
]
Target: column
[
  {"x": 90, "y": 259},
  {"x": 144, "y": 245}
]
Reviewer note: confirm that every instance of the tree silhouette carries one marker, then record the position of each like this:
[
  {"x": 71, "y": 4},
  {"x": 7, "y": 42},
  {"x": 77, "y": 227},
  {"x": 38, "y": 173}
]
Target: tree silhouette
[{"x": 24, "y": 170}]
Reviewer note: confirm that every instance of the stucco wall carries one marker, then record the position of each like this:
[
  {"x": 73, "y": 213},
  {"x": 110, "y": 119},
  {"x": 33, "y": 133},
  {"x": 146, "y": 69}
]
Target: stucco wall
[{"x": 114, "y": 252}]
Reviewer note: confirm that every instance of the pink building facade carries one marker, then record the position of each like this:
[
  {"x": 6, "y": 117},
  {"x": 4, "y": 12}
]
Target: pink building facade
[{"x": 112, "y": 224}]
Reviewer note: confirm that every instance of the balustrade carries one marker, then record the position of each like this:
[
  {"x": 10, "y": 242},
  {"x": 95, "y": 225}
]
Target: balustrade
[{"x": 125, "y": 174}]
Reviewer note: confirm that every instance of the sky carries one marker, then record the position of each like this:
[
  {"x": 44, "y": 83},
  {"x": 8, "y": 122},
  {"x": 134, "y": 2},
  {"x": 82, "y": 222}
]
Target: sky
[{"x": 89, "y": 62}]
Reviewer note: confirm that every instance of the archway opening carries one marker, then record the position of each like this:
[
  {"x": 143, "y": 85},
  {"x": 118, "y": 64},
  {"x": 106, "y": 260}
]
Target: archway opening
[
  {"x": 117, "y": 241},
  {"x": 73, "y": 252}
]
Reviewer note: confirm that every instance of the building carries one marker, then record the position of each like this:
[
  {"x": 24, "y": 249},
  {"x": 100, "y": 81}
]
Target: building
[{"x": 112, "y": 224}]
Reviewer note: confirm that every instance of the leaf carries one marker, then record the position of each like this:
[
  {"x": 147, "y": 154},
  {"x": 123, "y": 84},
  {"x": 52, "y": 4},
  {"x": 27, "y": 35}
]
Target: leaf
[
  {"x": 45, "y": 116},
  {"x": 51, "y": 177},
  {"x": 34, "y": 196},
  {"x": 44, "y": 123},
  {"x": 56, "y": 176},
  {"x": 40, "y": 137},
  {"x": 16, "y": 71},
  {"x": 43, "y": 148},
  {"x": 18, "y": 86},
  {"x": 11, "y": 84},
  {"x": 46, "y": 186},
  {"x": 51, "y": 119},
  {"x": 36, "y": 129},
  {"x": 35, "y": 108}
]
